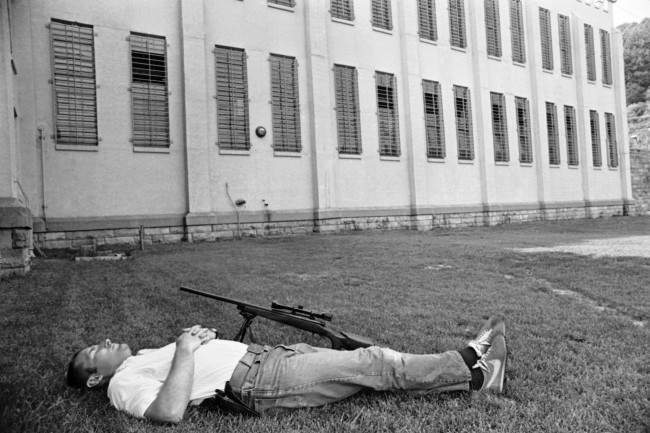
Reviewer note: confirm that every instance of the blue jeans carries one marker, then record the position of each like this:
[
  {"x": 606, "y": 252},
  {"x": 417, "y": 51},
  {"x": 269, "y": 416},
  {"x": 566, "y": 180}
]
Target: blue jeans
[{"x": 304, "y": 376}]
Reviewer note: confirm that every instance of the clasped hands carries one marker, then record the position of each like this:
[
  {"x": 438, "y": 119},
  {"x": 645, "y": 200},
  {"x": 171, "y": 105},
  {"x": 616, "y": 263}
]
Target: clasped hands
[{"x": 192, "y": 338}]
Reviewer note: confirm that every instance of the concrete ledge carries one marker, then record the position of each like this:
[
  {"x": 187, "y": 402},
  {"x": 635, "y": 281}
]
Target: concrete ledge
[{"x": 112, "y": 222}]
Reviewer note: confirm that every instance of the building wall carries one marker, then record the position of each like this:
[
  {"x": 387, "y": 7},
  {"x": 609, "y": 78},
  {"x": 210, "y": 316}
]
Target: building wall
[{"x": 116, "y": 187}]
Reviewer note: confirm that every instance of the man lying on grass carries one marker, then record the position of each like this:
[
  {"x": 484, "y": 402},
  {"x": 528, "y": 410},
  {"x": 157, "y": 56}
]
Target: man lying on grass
[{"x": 158, "y": 384}]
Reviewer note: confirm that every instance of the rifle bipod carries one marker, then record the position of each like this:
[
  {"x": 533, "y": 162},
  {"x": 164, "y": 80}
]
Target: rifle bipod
[{"x": 248, "y": 319}]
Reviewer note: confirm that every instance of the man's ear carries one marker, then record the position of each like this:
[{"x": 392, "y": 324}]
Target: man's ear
[{"x": 94, "y": 380}]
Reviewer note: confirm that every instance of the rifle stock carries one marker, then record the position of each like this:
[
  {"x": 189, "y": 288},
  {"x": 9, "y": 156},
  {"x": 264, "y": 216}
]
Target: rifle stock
[{"x": 292, "y": 316}]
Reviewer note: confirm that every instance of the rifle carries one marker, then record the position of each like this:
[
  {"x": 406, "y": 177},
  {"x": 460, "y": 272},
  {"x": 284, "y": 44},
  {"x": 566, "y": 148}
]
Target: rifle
[{"x": 297, "y": 317}]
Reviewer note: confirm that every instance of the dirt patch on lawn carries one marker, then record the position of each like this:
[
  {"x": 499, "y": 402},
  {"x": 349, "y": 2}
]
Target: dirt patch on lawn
[{"x": 630, "y": 246}]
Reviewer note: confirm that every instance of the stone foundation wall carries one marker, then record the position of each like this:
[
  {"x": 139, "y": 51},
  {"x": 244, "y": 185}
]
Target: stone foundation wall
[
  {"x": 211, "y": 232},
  {"x": 640, "y": 172}
]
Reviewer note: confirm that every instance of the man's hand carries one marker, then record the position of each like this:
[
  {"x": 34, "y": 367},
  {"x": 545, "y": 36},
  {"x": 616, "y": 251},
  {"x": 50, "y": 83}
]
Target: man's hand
[{"x": 193, "y": 337}]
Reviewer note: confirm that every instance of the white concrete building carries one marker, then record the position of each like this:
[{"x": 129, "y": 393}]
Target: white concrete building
[{"x": 378, "y": 113}]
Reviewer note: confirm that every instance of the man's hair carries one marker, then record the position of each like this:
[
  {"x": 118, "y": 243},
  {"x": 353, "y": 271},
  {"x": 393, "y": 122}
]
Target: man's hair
[{"x": 77, "y": 376}]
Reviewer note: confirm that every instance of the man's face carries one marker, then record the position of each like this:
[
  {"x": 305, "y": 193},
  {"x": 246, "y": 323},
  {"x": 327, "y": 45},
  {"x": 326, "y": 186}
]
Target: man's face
[{"x": 105, "y": 357}]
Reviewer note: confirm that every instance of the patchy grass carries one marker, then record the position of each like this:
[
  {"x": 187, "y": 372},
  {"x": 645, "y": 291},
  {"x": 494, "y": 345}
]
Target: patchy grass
[{"x": 571, "y": 368}]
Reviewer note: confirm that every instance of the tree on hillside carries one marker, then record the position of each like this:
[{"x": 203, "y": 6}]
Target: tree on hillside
[{"x": 636, "y": 43}]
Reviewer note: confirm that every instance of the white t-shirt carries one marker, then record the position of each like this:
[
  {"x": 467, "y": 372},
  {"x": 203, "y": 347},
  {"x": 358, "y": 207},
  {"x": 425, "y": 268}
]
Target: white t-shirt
[{"x": 136, "y": 383}]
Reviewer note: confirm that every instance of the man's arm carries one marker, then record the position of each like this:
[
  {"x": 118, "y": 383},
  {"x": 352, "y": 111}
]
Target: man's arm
[{"x": 173, "y": 397}]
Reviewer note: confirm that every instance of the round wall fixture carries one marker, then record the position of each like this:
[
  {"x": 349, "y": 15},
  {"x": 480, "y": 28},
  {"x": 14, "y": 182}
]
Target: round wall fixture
[{"x": 260, "y": 131}]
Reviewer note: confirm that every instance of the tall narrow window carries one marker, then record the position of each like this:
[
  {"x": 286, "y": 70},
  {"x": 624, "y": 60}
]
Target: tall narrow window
[
  {"x": 427, "y": 20},
  {"x": 433, "y": 119},
  {"x": 523, "y": 130},
  {"x": 566, "y": 57},
  {"x": 149, "y": 94},
  {"x": 612, "y": 148},
  {"x": 285, "y": 104},
  {"x": 342, "y": 9},
  {"x": 464, "y": 135},
  {"x": 553, "y": 134},
  {"x": 571, "y": 135},
  {"x": 492, "y": 28},
  {"x": 546, "y": 38},
  {"x": 590, "y": 53},
  {"x": 287, "y": 3},
  {"x": 517, "y": 32},
  {"x": 382, "y": 16},
  {"x": 458, "y": 37},
  {"x": 232, "y": 98},
  {"x": 347, "y": 109},
  {"x": 594, "y": 123},
  {"x": 499, "y": 127},
  {"x": 75, "y": 94},
  {"x": 606, "y": 53},
  {"x": 387, "y": 116}
]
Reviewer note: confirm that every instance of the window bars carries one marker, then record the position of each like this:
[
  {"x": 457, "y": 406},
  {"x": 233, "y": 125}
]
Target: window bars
[
  {"x": 387, "y": 115},
  {"x": 590, "y": 53},
  {"x": 287, "y": 3},
  {"x": 464, "y": 134},
  {"x": 427, "y": 20},
  {"x": 342, "y": 9},
  {"x": 347, "y": 110},
  {"x": 571, "y": 135},
  {"x": 75, "y": 91},
  {"x": 232, "y": 98},
  {"x": 594, "y": 123},
  {"x": 499, "y": 127},
  {"x": 517, "y": 32},
  {"x": 149, "y": 94},
  {"x": 612, "y": 148},
  {"x": 381, "y": 14},
  {"x": 458, "y": 37},
  {"x": 606, "y": 54},
  {"x": 285, "y": 104},
  {"x": 546, "y": 38},
  {"x": 492, "y": 28},
  {"x": 523, "y": 130},
  {"x": 433, "y": 119},
  {"x": 566, "y": 57},
  {"x": 553, "y": 134}
]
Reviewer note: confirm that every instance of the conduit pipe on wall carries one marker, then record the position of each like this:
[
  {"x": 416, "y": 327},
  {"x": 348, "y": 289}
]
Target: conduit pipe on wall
[{"x": 41, "y": 139}]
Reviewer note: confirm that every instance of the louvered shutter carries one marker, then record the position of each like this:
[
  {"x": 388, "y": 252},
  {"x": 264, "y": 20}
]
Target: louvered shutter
[
  {"x": 149, "y": 94},
  {"x": 517, "y": 32},
  {"x": 232, "y": 98},
  {"x": 347, "y": 110},
  {"x": 75, "y": 94},
  {"x": 553, "y": 134},
  {"x": 464, "y": 134},
  {"x": 546, "y": 38},
  {"x": 612, "y": 148},
  {"x": 590, "y": 53},
  {"x": 566, "y": 57},
  {"x": 285, "y": 104},
  {"x": 606, "y": 53},
  {"x": 387, "y": 114},
  {"x": 433, "y": 119},
  {"x": 342, "y": 9},
  {"x": 571, "y": 135},
  {"x": 427, "y": 20},
  {"x": 382, "y": 14},
  {"x": 493, "y": 28},
  {"x": 594, "y": 123},
  {"x": 499, "y": 127},
  {"x": 523, "y": 130}
]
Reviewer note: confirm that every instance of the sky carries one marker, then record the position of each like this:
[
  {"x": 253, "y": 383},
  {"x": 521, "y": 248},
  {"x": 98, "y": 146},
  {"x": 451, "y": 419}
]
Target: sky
[{"x": 630, "y": 11}]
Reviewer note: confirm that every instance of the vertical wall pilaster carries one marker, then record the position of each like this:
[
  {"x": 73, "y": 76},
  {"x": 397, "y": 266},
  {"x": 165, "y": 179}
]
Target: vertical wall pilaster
[
  {"x": 198, "y": 149},
  {"x": 537, "y": 106},
  {"x": 411, "y": 90},
  {"x": 8, "y": 167},
  {"x": 481, "y": 133},
  {"x": 320, "y": 81},
  {"x": 622, "y": 132},
  {"x": 584, "y": 140}
]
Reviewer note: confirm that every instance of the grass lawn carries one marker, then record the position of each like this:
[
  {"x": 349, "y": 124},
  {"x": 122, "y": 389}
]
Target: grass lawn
[{"x": 571, "y": 367}]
